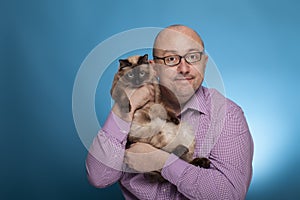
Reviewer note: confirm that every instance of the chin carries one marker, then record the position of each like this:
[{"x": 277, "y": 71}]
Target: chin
[
  {"x": 186, "y": 90},
  {"x": 183, "y": 97}
]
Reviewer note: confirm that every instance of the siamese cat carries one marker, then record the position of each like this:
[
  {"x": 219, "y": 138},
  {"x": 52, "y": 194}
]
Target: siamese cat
[{"x": 155, "y": 123}]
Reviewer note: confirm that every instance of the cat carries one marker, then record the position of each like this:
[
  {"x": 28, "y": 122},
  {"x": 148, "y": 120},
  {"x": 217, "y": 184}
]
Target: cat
[
  {"x": 155, "y": 123},
  {"x": 134, "y": 72}
]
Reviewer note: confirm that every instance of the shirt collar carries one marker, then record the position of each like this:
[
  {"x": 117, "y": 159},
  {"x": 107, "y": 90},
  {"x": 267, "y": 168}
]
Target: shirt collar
[{"x": 197, "y": 102}]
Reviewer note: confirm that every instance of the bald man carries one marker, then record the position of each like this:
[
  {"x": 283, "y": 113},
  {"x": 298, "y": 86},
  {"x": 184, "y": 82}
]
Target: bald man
[{"x": 221, "y": 131}]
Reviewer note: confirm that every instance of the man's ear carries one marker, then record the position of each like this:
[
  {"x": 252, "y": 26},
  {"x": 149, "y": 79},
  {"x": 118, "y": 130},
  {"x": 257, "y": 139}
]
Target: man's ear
[{"x": 205, "y": 58}]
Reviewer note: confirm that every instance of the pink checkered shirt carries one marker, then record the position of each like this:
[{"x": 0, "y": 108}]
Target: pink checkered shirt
[{"x": 222, "y": 135}]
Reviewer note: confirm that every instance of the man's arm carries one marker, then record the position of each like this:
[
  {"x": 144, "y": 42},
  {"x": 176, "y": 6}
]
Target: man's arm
[
  {"x": 105, "y": 158},
  {"x": 104, "y": 163},
  {"x": 231, "y": 165}
]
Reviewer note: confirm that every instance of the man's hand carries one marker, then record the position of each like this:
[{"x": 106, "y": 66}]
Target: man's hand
[
  {"x": 144, "y": 157},
  {"x": 138, "y": 97}
]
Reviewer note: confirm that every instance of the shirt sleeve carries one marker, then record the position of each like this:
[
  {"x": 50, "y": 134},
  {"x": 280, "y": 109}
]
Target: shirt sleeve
[
  {"x": 104, "y": 162},
  {"x": 231, "y": 165}
]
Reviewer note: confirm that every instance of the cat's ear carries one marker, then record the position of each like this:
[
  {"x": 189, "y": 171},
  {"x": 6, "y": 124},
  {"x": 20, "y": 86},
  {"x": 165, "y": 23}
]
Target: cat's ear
[
  {"x": 143, "y": 59},
  {"x": 124, "y": 63}
]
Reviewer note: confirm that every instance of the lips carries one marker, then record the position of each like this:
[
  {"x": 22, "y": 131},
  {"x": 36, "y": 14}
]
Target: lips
[{"x": 184, "y": 78}]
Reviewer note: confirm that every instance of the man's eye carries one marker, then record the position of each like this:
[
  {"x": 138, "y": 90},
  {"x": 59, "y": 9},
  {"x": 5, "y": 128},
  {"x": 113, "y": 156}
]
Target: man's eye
[
  {"x": 171, "y": 59},
  {"x": 193, "y": 56}
]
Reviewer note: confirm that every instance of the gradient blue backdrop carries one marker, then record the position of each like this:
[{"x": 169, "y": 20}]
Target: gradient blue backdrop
[{"x": 254, "y": 43}]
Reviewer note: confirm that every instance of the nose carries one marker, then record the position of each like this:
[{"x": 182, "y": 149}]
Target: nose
[{"x": 183, "y": 67}]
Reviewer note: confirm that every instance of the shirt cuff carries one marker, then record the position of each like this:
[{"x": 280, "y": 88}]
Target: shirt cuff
[
  {"x": 173, "y": 169},
  {"x": 116, "y": 127}
]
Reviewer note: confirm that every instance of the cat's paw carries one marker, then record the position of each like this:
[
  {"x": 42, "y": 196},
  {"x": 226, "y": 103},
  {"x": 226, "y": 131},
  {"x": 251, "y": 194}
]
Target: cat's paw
[
  {"x": 154, "y": 177},
  {"x": 201, "y": 162},
  {"x": 175, "y": 120}
]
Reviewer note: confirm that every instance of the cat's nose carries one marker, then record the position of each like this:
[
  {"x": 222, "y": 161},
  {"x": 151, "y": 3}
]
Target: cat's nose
[{"x": 137, "y": 82}]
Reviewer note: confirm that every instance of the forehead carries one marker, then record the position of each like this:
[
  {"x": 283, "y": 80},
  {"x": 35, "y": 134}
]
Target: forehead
[{"x": 177, "y": 41}]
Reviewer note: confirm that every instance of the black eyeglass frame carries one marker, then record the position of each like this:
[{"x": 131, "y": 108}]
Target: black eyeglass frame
[{"x": 180, "y": 57}]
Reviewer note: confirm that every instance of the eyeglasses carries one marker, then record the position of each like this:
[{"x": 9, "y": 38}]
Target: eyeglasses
[{"x": 174, "y": 60}]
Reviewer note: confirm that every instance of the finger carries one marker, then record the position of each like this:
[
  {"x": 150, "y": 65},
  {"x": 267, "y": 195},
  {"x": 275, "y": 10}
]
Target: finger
[
  {"x": 131, "y": 145},
  {"x": 152, "y": 98},
  {"x": 151, "y": 90}
]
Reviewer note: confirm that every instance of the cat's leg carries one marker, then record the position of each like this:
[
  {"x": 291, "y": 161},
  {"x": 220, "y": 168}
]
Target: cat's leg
[
  {"x": 201, "y": 162},
  {"x": 125, "y": 104},
  {"x": 172, "y": 117},
  {"x": 154, "y": 177},
  {"x": 121, "y": 99},
  {"x": 157, "y": 96}
]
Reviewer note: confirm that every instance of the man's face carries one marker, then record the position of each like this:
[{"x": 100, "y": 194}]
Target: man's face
[{"x": 184, "y": 78}]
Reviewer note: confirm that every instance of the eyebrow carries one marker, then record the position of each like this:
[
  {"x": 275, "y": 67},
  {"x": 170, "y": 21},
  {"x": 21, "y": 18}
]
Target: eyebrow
[
  {"x": 176, "y": 52},
  {"x": 169, "y": 51},
  {"x": 193, "y": 50}
]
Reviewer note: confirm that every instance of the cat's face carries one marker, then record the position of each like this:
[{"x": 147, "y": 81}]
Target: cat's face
[
  {"x": 135, "y": 71},
  {"x": 136, "y": 76}
]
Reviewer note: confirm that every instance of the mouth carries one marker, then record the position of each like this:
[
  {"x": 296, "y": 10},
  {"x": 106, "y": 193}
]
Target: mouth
[{"x": 184, "y": 79}]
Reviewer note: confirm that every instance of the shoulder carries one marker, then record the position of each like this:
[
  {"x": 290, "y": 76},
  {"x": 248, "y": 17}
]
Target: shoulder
[
  {"x": 223, "y": 109},
  {"x": 214, "y": 97},
  {"x": 226, "y": 115}
]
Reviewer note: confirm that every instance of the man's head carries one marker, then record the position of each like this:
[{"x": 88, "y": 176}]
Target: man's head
[{"x": 179, "y": 54}]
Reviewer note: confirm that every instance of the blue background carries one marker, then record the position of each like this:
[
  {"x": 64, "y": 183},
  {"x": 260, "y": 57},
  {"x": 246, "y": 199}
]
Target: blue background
[{"x": 255, "y": 45}]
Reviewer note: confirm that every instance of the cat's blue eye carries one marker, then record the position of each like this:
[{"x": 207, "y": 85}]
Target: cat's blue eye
[
  {"x": 142, "y": 73},
  {"x": 130, "y": 75}
]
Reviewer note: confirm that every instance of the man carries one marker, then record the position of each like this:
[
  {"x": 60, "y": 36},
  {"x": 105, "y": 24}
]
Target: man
[{"x": 221, "y": 131}]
